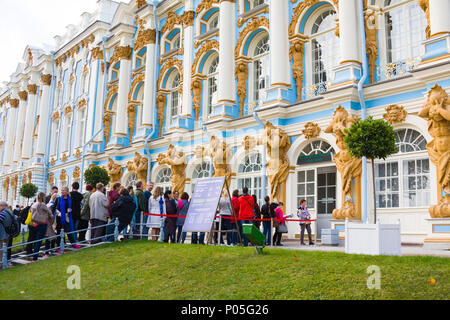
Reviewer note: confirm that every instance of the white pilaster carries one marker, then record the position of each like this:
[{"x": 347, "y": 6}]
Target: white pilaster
[
  {"x": 186, "y": 107},
  {"x": 149, "y": 88},
  {"x": 29, "y": 121},
  {"x": 439, "y": 17},
  {"x": 122, "y": 99},
  {"x": 10, "y": 129},
  {"x": 44, "y": 110},
  {"x": 20, "y": 125},
  {"x": 349, "y": 31},
  {"x": 279, "y": 42},
  {"x": 95, "y": 106}
]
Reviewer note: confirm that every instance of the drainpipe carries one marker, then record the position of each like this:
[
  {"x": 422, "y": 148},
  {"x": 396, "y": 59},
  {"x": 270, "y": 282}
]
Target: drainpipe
[
  {"x": 211, "y": 164},
  {"x": 52, "y": 101},
  {"x": 264, "y": 173},
  {"x": 363, "y": 106},
  {"x": 155, "y": 72},
  {"x": 103, "y": 102}
]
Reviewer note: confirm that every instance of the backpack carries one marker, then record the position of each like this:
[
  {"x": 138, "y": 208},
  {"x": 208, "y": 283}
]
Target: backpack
[{"x": 14, "y": 229}]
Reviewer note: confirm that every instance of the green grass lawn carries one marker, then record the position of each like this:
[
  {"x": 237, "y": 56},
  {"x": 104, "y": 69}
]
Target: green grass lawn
[{"x": 149, "y": 270}]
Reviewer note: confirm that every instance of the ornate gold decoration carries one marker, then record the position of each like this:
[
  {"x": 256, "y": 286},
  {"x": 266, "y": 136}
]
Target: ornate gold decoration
[
  {"x": 188, "y": 18},
  {"x": 32, "y": 89},
  {"x": 30, "y": 58},
  {"x": 82, "y": 103},
  {"x": 177, "y": 162},
  {"x": 206, "y": 5},
  {"x": 97, "y": 53},
  {"x": 395, "y": 114},
  {"x": 350, "y": 168},
  {"x": 24, "y": 179},
  {"x": 86, "y": 42},
  {"x": 23, "y": 95},
  {"x": 221, "y": 155},
  {"x": 51, "y": 178},
  {"x": 30, "y": 175},
  {"x": 107, "y": 125},
  {"x": 46, "y": 79},
  {"x": 121, "y": 53},
  {"x": 36, "y": 126},
  {"x": 56, "y": 115},
  {"x": 136, "y": 81},
  {"x": 114, "y": 89},
  {"x": 277, "y": 143},
  {"x": 255, "y": 24},
  {"x": 172, "y": 20},
  {"x": 6, "y": 187},
  {"x": 52, "y": 161},
  {"x": 196, "y": 88},
  {"x": 243, "y": 19},
  {"x": 78, "y": 153},
  {"x": 296, "y": 52},
  {"x": 76, "y": 174},
  {"x": 371, "y": 41},
  {"x": 64, "y": 157},
  {"x": 161, "y": 104},
  {"x": 63, "y": 175},
  {"x": 115, "y": 171},
  {"x": 71, "y": 77},
  {"x": 131, "y": 111},
  {"x": 144, "y": 36},
  {"x": 140, "y": 166},
  {"x": 14, "y": 103},
  {"x": 169, "y": 64},
  {"x": 68, "y": 110},
  {"x": 204, "y": 49},
  {"x": 302, "y": 6},
  {"x": 141, "y": 3},
  {"x": 241, "y": 74},
  {"x": 249, "y": 143},
  {"x": 437, "y": 110},
  {"x": 425, "y": 6},
  {"x": 14, "y": 183},
  {"x": 312, "y": 130}
]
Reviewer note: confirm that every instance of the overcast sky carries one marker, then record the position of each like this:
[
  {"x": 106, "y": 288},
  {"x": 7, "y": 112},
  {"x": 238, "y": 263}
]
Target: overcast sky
[{"x": 34, "y": 22}]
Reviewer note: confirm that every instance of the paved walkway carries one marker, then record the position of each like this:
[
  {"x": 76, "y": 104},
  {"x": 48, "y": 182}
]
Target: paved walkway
[{"x": 407, "y": 250}]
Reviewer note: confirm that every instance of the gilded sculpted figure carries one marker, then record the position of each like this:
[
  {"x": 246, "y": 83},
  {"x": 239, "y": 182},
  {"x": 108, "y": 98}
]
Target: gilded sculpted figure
[
  {"x": 312, "y": 130},
  {"x": 115, "y": 171},
  {"x": 140, "y": 166},
  {"x": 395, "y": 114},
  {"x": 296, "y": 52},
  {"x": 161, "y": 103},
  {"x": 241, "y": 75},
  {"x": 197, "y": 96},
  {"x": 249, "y": 143},
  {"x": 277, "y": 144},
  {"x": 349, "y": 168},
  {"x": 437, "y": 111},
  {"x": 425, "y": 6},
  {"x": 177, "y": 162},
  {"x": 14, "y": 182},
  {"x": 106, "y": 126},
  {"x": 221, "y": 155},
  {"x": 6, "y": 187},
  {"x": 131, "y": 118},
  {"x": 371, "y": 41}
]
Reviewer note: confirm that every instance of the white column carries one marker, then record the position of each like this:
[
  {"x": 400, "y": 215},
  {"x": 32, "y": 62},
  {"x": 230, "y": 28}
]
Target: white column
[
  {"x": 149, "y": 89},
  {"x": 439, "y": 16},
  {"x": 95, "y": 102},
  {"x": 349, "y": 31},
  {"x": 188, "y": 33},
  {"x": 122, "y": 99},
  {"x": 279, "y": 42},
  {"x": 23, "y": 95},
  {"x": 11, "y": 126},
  {"x": 44, "y": 109},
  {"x": 227, "y": 22},
  {"x": 29, "y": 122}
]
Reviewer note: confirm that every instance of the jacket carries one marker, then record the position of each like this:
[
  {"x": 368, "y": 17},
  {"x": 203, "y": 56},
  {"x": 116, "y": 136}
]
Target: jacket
[
  {"x": 76, "y": 204},
  {"x": 85, "y": 214},
  {"x": 225, "y": 207},
  {"x": 246, "y": 205},
  {"x": 235, "y": 202},
  {"x": 41, "y": 214},
  {"x": 142, "y": 207},
  {"x": 265, "y": 211},
  {"x": 279, "y": 215},
  {"x": 182, "y": 212},
  {"x": 98, "y": 204},
  {"x": 113, "y": 195},
  {"x": 123, "y": 209}
]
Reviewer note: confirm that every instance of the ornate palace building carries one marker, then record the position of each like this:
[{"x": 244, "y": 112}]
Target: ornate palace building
[{"x": 180, "y": 90}]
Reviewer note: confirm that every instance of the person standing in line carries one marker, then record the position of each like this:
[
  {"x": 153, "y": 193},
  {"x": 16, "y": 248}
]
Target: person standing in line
[
  {"x": 53, "y": 191},
  {"x": 6, "y": 220},
  {"x": 154, "y": 207},
  {"x": 304, "y": 214},
  {"x": 266, "y": 215},
  {"x": 235, "y": 220},
  {"x": 123, "y": 209},
  {"x": 147, "y": 195},
  {"x": 139, "y": 193},
  {"x": 77, "y": 197},
  {"x": 17, "y": 210},
  {"x": 133, "y": 220},
  {"x": 65, "y": 206},
  {"x": 113, "y": 195},
  {"x": 52, "y": 243},
  {"x": 170, "y": 222},
  {"x": 183, "y": 207},
  {"x": 41, "y": 217},
  {"x": 98, "y": 204},
  {"x": 246, "y": 205},
  {"x": 281, "y": 220},
  {"x": 225, "y": 212},
  {"x": 85, "y": 214},
  {"x": 257, "y": 212}
]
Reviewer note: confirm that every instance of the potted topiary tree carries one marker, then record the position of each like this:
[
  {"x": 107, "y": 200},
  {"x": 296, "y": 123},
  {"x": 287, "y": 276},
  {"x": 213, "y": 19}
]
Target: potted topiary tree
[
  {"x": 95, "y": 175},
  {"x": 373, "y": 139},
  {"x": 28, "y": 190}
]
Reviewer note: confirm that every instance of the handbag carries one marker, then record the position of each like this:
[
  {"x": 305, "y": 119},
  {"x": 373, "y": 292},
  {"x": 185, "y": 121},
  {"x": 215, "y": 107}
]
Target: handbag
[
  {"x": 282, "y": 228},
  {"x": 275, "y": 224},
  {"x": 28, "y": 221},
  {"x": 36, "y": 217}
]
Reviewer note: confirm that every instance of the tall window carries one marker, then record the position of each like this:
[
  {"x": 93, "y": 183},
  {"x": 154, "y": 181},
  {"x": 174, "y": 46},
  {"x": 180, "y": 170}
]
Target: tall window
[
  {"x": 404, "y": 179},
  {"x": 325, "y": 50},
  {"x": 164, "y": 178},
  {"x": 175, "y": 96},
  {"x": 258, "y": 3},
  {"x": 131, "y": 180},
  {"x": 81, "y": 127},
  {"x": 212, "y": 84},
  {"x": 54, "y": 137},
  {"x": 67, "y": 130},
  {"x": 250, "y": 176},
  {"x": 201, "y": 171},
  {"x": 261, "y": 68},
  {"x": 176, "y": 43},
  {"x": 214, "y": 23}
]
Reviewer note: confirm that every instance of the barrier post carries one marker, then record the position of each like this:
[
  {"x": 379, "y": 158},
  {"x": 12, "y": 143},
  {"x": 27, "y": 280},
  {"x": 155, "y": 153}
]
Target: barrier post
[
  {"x": 116, "y": 230},
  {"x": 61, "y": 244},
  {"x": 23, "y": 239},
  {"x": 4, "y": 255}
]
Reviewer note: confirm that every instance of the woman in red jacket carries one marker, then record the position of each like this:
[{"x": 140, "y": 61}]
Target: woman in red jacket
[
  {"x": 235, "y": 202},
  {"x": 246, "y": 205}
]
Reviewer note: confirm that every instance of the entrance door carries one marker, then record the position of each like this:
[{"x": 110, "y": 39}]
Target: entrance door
[{"x": 326, "y": 197}]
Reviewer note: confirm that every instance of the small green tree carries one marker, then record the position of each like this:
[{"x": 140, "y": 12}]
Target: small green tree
[
  {"x": 28, "y": 190},
  {"x": 95, "y": 175},
  {"x": 373, "y": 139}
]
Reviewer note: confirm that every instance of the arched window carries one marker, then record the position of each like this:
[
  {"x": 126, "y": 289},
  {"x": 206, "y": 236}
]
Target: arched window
[
  {"x": 164, "y": 178},
  {"x": 115, "y": 72},
  {"x": 212, "y": 85},
  {"x": 316, "y": 147},
  {"x": 131, "y": 180},
  {"x": 141, "y": 58},
  {"x": 174, "y": 95},
  {"x": 324, "y": 50},
  {"x": 403, "y": 180},
  {"x": 249, "y": 175},
  {"x": 214, "y": 22},
  {"x": 405, "y": 25},
  {"x": 201, "y": 171},
  {"x": 261, "y": 65}
]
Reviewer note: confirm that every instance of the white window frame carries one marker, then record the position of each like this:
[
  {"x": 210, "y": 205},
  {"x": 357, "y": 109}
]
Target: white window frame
[
  {"x": 166, "y": 174},
  {"x": 263, "y": 59}
]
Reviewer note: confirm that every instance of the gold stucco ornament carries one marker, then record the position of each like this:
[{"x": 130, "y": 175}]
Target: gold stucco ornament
[
  {"x": 350, "y": 168},
  {"x": 140, "y": 166},
  {"x": 177, "y": 162},
  {"x": 437, "y": 111},
  {"x": 312, "y": 130},
  {"x": 114, "y": 170},
  {"x": 241, "y": 74},
  {"x": 395, "y": 114},
  {"x": 221, "y": 154}
]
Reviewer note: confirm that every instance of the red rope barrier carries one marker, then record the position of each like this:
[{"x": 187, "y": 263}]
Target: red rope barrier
[{"x": 229, "y": 218}]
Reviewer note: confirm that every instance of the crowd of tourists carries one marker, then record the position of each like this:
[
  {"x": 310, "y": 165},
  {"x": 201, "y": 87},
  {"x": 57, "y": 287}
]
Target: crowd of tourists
[{"x": 135, "y": 212}]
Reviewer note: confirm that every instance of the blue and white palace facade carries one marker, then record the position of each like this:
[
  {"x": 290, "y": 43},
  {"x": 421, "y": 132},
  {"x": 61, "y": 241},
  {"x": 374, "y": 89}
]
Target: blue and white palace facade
[{"x": 129, "y": 80}]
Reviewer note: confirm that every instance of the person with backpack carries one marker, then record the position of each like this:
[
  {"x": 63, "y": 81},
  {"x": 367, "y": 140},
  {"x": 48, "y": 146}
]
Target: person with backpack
[
  {"x": 41, "y": 217},
  {"x": 123, "y": 209},
  {"x": 304, "y": 214},
  {"x": 257, "y": 212},
  {"x": 246, "y": 205},
  {"x": 267, "y": 214},
  {"x": 64, "y": 205},
  {"x": 85, "y": 214},
  {"x": 155, "y": 207},
  {"x": 77, "y": 197},
  {"x": 183, "y": 207},
  {"x": 9, "y": 227}
]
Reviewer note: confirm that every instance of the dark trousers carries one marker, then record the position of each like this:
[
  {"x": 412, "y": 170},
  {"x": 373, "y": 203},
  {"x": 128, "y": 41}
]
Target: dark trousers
[
  {"x": 83, "y": 224},
  {"x": 195, "y": 238},
  {"x": 97, "y": 233},
  {"x": 302, "y": 233},
  {"x": 277, "y": 238},
  {"x": 171, "y": 226},
  {"x": 226, "y": 226},
  {"x": 267, "y": 231},
  {"x": 31, "y": 237},
  {"x": 40, "y": 234},
  {"x": 180, "y": 234}
]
